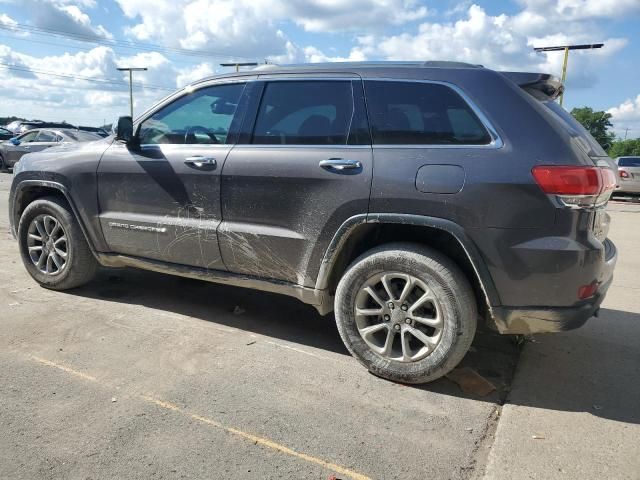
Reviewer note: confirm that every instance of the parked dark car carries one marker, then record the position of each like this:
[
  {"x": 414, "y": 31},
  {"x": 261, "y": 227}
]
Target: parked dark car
[
  {"x": 413, "y": 200},
  {"x": 6, "y": 134},
  {"x": 37, "y": 140}
]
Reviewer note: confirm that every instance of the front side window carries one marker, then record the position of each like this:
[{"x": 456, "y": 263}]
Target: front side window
[
  {"x": 28, "y": 137},
  {"x": 418, "y": 113},
  {"x": 202, "y": 117},
  {"x": 305, "y": 113}
]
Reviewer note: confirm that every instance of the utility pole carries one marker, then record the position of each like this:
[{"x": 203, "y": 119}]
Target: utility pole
[
  {"x": 566, "y": 49},
  {"x": 626, "y": 130},
  {"x": 238, "y": 65},
  {"x": 131, "y": 70}
]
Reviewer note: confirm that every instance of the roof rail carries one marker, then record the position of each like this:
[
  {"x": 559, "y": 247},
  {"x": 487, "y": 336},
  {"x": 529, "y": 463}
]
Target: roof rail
[{"x": 414, "y": 64}]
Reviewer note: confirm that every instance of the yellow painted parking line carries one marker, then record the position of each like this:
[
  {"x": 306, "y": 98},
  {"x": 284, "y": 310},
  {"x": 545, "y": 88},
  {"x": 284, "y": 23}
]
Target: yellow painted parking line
[{"x": 254, "y": 439}]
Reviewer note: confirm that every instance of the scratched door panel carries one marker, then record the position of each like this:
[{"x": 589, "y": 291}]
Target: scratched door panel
[
  {"x": 305, "y": 169},
  {"x": 154, "y": 205}
]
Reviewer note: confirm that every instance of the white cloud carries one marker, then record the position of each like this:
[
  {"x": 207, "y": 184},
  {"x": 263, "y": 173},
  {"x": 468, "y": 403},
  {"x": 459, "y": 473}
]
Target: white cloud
[
  {"x": 251, "y": 28},
  {"x": 314, "y": 55},
  {"x": 36, "y": 94},
  {"x": 582, "y": 9},
  {"x": 7, "y": 20},
  {"x": 64, "y": 16},
  {"x": 356, "y": 15},
  {"x": 189, "y": 75},
  {"x": 501, "y": 42},
  {"x": 626, "y": 115}
]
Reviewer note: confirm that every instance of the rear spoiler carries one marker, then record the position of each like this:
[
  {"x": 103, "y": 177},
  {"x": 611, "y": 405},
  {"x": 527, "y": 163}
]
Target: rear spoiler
[{"x": 541, "y": 85}]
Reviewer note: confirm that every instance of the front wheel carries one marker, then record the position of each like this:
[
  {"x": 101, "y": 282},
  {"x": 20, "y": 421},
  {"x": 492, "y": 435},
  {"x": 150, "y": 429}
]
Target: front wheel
[
  {"x": 3, "y": 165},
  {"x": 52, "y": 246},
  {"x": 406, "y": 312}
]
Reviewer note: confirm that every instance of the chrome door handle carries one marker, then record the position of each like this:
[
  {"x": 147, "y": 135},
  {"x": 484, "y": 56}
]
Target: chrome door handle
[
  {"x": 199, "y": 161},
  {"x": 339, "y": 164}
]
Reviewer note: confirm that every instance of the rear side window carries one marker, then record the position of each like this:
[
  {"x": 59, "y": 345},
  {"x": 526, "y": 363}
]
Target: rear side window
[
  {"x": 305, "y": 113},
  {"x": 46, "y": 136},
  {"x": 416, "y": 113},
  {"x": 629, "y": 162}
]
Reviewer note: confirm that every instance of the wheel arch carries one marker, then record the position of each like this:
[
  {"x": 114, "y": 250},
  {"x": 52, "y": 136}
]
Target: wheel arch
[
  {"x": 363, "y": 232},
  {"x": 28, "y": 191}
]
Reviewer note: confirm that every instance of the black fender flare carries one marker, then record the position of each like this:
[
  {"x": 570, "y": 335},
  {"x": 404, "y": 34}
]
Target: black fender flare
[
  {"x": 455, "y": 230},
  {"x": 18, "y": 188}
]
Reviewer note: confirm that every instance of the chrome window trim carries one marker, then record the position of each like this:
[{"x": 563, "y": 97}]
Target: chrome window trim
[
  {"x": 188, "y": 90},
  {"x": 496, "y": 140},
  {"x": 298, "y": 146}
]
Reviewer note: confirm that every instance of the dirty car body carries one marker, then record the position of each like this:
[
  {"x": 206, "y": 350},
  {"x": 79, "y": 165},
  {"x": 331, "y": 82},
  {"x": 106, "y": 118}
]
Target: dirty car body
[{"x": 279, "y": 179}]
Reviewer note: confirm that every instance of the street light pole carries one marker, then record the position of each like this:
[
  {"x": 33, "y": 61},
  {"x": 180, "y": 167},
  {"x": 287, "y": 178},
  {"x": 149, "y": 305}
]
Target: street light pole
[
  {"x": 566, "y": 49},
  {"x": 131, "y": 70}
]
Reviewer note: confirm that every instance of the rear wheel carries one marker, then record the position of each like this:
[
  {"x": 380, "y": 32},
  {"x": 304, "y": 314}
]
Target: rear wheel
[
  {"x": 406, "y": 312},
  {"x": 52, "y": 246},
  {"x": 3, "y": 166}
]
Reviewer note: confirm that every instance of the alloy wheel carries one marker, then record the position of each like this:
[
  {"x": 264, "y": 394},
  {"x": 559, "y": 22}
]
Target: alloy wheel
[
  {"x": 398, "y": 316},
  {"x": 47, "y": 244}
]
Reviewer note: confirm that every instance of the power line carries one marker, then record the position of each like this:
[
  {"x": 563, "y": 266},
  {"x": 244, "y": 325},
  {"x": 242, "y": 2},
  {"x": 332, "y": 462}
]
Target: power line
[
  {"x": 104, "y": 81},
  {"x": 149, "y": 47},
  {"x": 74, "y": 47}
]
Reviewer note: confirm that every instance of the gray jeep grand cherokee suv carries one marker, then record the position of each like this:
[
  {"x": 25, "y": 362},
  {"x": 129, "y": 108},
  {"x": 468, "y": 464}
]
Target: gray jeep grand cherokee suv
[{"x": 412, "y": 199}]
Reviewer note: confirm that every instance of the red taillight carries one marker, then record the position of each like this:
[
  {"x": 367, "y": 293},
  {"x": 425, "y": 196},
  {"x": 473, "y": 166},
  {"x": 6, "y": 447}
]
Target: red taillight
[
  {"x": 587, "y": 291},
  {"x": 566, "y": 180},
  {"x": 624, "y": 174}
]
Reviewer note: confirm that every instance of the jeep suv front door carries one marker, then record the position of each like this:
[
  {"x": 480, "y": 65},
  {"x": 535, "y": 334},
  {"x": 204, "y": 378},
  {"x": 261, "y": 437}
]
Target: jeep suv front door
[
  {"x": 303, "y": 167},
  {"x": 161, "y": 200}
]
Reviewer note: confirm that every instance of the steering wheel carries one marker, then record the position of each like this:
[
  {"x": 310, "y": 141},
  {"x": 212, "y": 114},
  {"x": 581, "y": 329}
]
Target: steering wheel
[{"x": 190, "y": 137}]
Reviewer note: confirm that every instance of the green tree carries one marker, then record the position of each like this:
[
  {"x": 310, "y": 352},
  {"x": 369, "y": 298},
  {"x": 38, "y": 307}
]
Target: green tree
[
  {"x": 625, "y": 148},
  {"x": 597, "y": 123}
]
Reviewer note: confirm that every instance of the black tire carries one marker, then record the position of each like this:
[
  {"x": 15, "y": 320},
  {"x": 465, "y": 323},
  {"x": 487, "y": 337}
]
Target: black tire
[
  {"x": 80, "y": 266},
  {"x": 455, "y": 299},
  {"x": 3, "y": 166}
]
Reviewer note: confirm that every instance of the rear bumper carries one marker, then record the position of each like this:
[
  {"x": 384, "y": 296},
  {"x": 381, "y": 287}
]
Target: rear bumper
[
  {"x": 628, "y": 187},
  {"x": 527, "y": 320}
]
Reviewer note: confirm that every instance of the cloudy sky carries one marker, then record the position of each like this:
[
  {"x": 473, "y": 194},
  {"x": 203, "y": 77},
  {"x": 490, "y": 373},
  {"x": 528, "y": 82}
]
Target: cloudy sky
[{"x": 183, "y": 40}]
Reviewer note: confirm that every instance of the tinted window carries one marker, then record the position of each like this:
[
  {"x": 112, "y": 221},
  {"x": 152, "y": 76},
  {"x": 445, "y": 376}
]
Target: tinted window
[
  {"x": 574, "y": 126},
  {"x": 28, "y": 137},
  {"x": 305, "y": 113},
  {"x": 202, "y": 117},
  {"x": 46, "y": 136},
  {"x": 421, "y": 113},
  {"x": 629, "y": 162}
]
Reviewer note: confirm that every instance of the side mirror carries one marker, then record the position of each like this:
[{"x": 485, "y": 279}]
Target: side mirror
[
  {"x": 15, "y": 141},
  {"x": 123, "y": 129}
]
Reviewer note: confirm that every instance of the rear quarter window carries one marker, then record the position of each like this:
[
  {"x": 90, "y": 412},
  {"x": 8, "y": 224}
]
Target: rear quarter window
[{"x": 421, "y": 113}]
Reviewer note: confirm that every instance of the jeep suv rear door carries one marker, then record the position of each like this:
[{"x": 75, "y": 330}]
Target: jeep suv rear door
[
  {"x": 161, "y": 199},
  {"x": 301, "y": 169}
]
